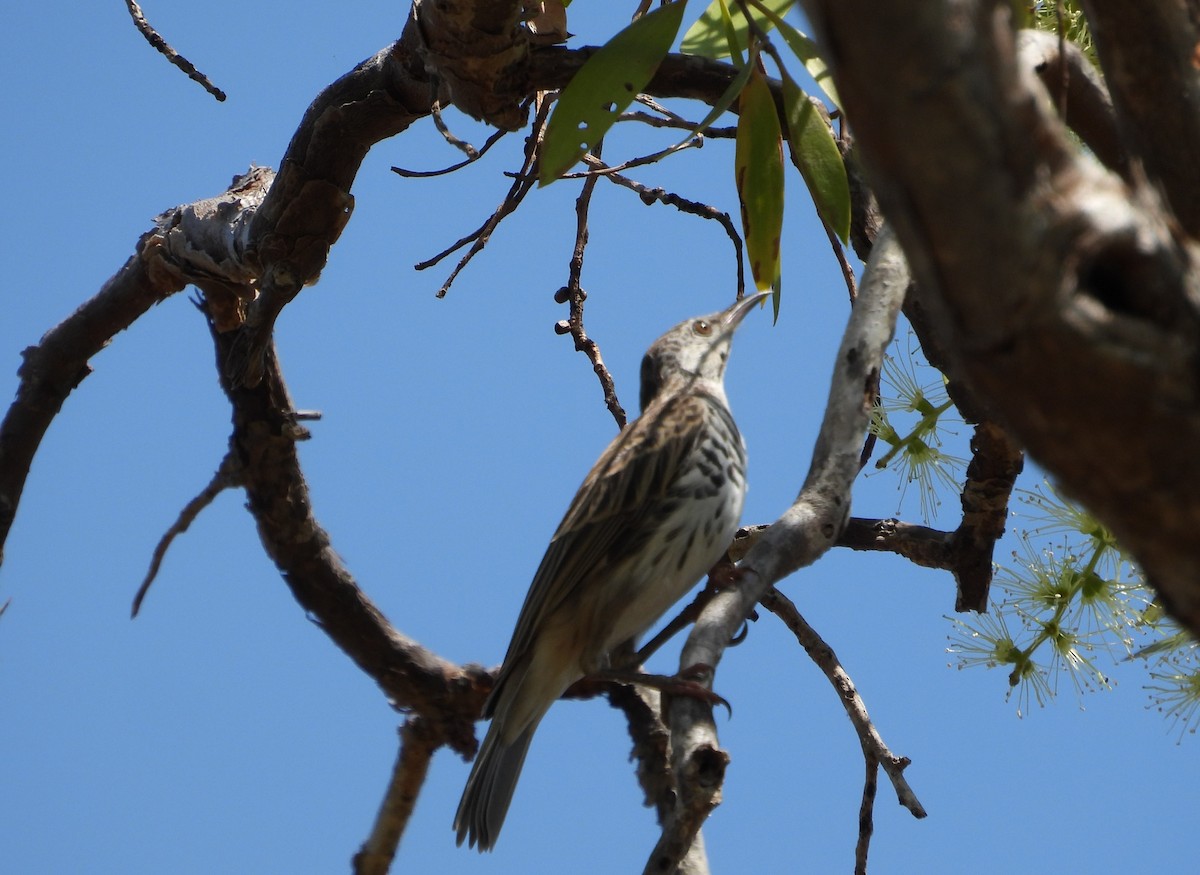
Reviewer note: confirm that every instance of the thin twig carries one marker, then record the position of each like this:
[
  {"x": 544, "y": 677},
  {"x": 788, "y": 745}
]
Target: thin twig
[
  {"x": 419, "y": 740},
  {"x": 574, "y": 294},
  {"x": 677, "y": 123},
  {"x": 226, "y": 477},
  {"x": 463, "y": 146},
  {"x": 658, "y": 195},
  {"x": 163, "y": 47},
  {"x": 648, "y": 101},
  {"x": 839, "y": 252},
  {"x": 693, "y": 143},
  {"x": 866, "y": 814},
  {"x": 826, "y": 660},
  {"x": 523, "y": 182},
  {"x": 471, "y": 159}
]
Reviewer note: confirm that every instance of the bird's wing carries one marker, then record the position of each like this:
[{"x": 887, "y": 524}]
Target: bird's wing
[{"x": 604, "y": 522}]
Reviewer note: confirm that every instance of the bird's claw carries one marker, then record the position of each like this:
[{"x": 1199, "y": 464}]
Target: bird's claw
[{"x": 691, "y": 682}]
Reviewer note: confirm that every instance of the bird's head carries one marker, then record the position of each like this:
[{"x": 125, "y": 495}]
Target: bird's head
[{"x": 695, "y": 349}]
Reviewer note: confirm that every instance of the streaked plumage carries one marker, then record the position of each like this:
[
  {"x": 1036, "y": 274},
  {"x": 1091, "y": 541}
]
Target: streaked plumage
[{"x": 655, "y": 513}]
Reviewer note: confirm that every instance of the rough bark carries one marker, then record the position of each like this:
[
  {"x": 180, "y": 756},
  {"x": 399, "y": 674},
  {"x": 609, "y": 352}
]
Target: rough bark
[{"x": 1065, "y": 297}]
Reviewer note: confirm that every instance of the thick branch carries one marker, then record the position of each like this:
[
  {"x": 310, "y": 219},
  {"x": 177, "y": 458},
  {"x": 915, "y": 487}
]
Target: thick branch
[
  {"x": 995, "y": 463},
  {"x": 264, "y": 439},
  {"x": 1064, "y": 298},
  {"x": 59, "y": 362},
  {"x": 1149, "y": 55},
  {"x": 1075, "y": 85},
  {"x": 476, "y": 49},
  {"x": 200, "y": 242},
  {"x": 310, "y": 202}
]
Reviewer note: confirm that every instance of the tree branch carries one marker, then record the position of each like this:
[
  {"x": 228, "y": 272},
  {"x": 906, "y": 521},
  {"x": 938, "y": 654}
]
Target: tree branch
[
  {"x": 419, "y": 741},
  {"x": 875, "y": 751},
  {"x": 164, "y": 48},
  {"x": 226, "y": 477},
  {"x": 1089, "y": 108},
  {"x": 1052, "y": 259},
  {"x": 201, "y": 243},
  {"x": 1150, "y": 58},
  {"x": 523, "y": 183},
  {"x": 805, "y": 531},
  {"x": 310, "y": 202},
  {"x": 574, "y": 295},
  {"x": 415, "y": 679},
  {"x": 995, "y": 463},
  {"x": 651, "y": 196}
]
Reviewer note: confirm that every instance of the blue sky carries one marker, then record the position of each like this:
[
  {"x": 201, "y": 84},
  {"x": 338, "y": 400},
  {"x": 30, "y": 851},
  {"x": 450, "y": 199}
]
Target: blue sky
[{"x": 222, "y": 732}]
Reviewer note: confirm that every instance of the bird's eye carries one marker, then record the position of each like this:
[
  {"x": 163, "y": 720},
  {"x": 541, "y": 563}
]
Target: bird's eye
[{"x": 702, "y": 327}]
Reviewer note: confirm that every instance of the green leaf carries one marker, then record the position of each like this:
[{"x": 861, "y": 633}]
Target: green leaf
[
  {"x": 817, "y": 157},
  {"x": 708, "y": 36},
  {"x": 758, "y": 163},
  {"x": 806, "y": 50},
  {"x": 604, "y": 87},
  {"x": 731, "y": 34}
]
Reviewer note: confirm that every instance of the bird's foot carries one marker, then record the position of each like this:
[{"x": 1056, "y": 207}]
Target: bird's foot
[
  {"x": 691, "y": 682},
  {"x": 724, "y": 575}
]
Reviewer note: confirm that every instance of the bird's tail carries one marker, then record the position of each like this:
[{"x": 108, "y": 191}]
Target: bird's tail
[{"x": 489, "y": 790}]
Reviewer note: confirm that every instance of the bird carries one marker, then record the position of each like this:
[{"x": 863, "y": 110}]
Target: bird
[{"x": 653, "y": 516}]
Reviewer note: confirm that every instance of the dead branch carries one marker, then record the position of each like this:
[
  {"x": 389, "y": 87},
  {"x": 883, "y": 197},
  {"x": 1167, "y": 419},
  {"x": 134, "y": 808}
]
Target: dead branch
[
  {"x": 164, "y": 48},
  {"x": 226, "y": 477},
  {"x": 419, "y": 741},
  {"x": 524, "y": 181},
  {"x": 443, "y": 171},
  {"x": 866, "y": 815},
  {"x": 659, "y": 195},
  {"x": 202, "y": 243},
  {"x": 573, "y": 294},
  {"x": 874, "y": 749},
  {"x": 413, "y": 678}
]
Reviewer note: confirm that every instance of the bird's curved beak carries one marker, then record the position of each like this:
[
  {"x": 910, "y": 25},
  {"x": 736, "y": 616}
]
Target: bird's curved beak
[{"x": 737, "y": 312}]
